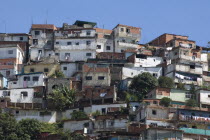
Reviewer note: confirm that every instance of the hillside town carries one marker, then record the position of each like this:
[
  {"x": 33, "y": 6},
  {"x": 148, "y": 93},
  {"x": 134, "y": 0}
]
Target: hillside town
[{"x": 103, "y": 84}]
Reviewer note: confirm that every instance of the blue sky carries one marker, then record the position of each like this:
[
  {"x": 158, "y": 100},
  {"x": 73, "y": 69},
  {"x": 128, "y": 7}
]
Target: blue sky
[{"x": 155, "y": 17}]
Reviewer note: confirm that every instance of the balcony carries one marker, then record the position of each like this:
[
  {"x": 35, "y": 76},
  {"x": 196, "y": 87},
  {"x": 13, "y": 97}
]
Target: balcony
[
  {"x": 129, "y": 35},
  {"x": 191, "y": 118},
  {"x": 177, "y": 80},
  {"x": 187, "y": 69},
  {"x": 127, "y": 45},
  {"x": 76, "y": 47}
]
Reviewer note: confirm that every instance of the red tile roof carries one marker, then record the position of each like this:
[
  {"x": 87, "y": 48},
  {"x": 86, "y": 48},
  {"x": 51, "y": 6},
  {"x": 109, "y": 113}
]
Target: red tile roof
[{"x": 43, "y": 26}]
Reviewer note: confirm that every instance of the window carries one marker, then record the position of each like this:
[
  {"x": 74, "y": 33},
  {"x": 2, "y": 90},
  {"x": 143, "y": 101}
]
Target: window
[
  {"x": 35, "y": 78},
  {"x": 188, "y": 95},
  {"x": 46, "y": 70},
  {"x": 10, "y": 51},
  {"x": 21, "y": 38},
  {"x": 77, "y": 43},
  {"x": 108, "y": 48},
  {"x": 17, "y": 111},
  {"x": 154, "y": 60},
  {"x": 175, "y": 53},
  {"x": 57, "y": 42},
  {"x": 88, "y": 32},
  {"x": 101, "y": 77},
  {"x": 49, "y": 42},
  {"x": 103, "y": 110},
  {"x": 192, "y": 66},
  {"x": 45, "y": 113},
  {"x": 128, "y": 30},
  {"x": 64, "y": 68},
  {"x": 154, "y": 112},
  {"x": 39, "y": 51},
  {"x": 68, "y": 43},
  {"x": 35, "y": 41},
  {"x": 31, "y": 69},
  {"x": 88, "y": 77},
  {"x": 190, "y": 45},
  {"x": 57, "y": 54},
  {"x": 26, "y": 78},
  {"x": 24, "y": 93},
  {"x": 154, "y": 74},
  {"x": 37, "y": 32},
  {"x": 208, "y": 96},
  {"x": 122, "y": 29},
  {"x": 87, "y": 42},
  {"x": 7, "y": 73},
  {"x": 88, "y": 54},
  {"x": 111, "y": 123},
  {"x": 14, "y": 82},
  {"x": 67, "y": 54},
  {"x": 98, "y": 46},
  {"x": 2, "y": 100}
]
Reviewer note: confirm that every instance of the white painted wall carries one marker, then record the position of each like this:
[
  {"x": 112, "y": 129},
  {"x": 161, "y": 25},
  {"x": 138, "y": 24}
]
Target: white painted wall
[
  {"x": 104, "y": 42},
  {"x": 149, "y": 62},
  {"x": 74, "y": 125},
  {"x": 20, "y": 83},
  {"x": 204, "y": 97},
  {"x": 77, "y": 55},
  {"x": 71, "y": 69},
  {"x": 35, "y": 114},
  {"x": 130, "y": 72},
  {"x": 106, "y": 106},
  {"x": 16, "y": 38}
]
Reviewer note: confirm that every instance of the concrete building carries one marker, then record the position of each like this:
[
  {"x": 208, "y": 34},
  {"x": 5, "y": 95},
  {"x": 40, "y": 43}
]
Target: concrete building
[
  {"x": 176, "y": 95},
  {"x": 141, "y": 60},
  {"x": 42, "y": 38},
  {"x": 27, "y": 80},
  {"x": 95, "y": 75},
  {"x": 110, "y": 123},
  {"x": 11, "y": 60}
]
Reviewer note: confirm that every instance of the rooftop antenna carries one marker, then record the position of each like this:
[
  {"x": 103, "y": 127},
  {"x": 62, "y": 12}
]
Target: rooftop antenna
[
  {"x": 5, "y": 26},
  {"x": 32, "y": 21},
  {"x": 46, "y": 16}
]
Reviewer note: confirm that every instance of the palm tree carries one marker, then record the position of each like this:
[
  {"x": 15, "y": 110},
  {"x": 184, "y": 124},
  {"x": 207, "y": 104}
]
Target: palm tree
[{"x": 63, "y": 97}]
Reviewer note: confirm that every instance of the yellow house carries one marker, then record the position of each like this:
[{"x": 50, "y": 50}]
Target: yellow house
[{"x": 48, "y": 69}]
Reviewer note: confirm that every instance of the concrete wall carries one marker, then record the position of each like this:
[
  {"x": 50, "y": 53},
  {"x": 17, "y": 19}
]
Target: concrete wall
[
  {"x": 106, "y": 106},
  {"x": 149, "y": 62},
  {"x": 35, "y": 114},
  {"x": 75, "y": 125},
  {"x": 71, "y": 69},
  {"x": 20, "y": 83},
  {"x": 131, "y": 72},
  {"x": 40, "y": 68},
  {"x": 95, "y": 81}
]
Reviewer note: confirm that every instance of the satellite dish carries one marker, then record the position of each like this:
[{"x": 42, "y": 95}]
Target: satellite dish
[{"x": 103, "y": 94}]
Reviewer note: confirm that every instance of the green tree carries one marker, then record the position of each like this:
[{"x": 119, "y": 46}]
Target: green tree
[
  {"x": 78, "y": 115},
  {"x": 7, "y": 127},
  {"x": 31, "y": 127},
  {"x": 165, "y": 101},
  {"x": 193, "y": 90},
  {"x": 191, "y": 103},
  {"x": 58, "y": 74},
  {"x": 142, "y": 84},
  {"x": 130, "y": 97},
  {"x": 181, "y": 86},
  {"x": 63, "y": 97},
  {"x": 165, "y": 82}
]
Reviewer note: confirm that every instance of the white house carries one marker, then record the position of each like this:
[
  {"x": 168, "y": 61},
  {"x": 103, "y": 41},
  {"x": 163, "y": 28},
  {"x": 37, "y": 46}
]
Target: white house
[
  {"x": 27, "y": 80},
  {"x": 40, "y": 115},
  {"x": 11, "y": 59},
  {"x": 130, "y": 72},
  {"x": 203, "y": 98}
]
